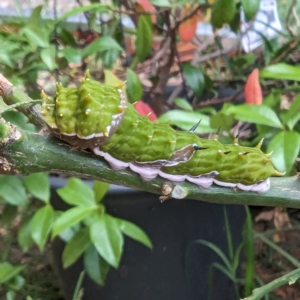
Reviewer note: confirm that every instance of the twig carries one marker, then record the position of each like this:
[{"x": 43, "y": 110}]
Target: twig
[
  {"x": 288, "y": 15},
  {"x": 288, "y": 278}
]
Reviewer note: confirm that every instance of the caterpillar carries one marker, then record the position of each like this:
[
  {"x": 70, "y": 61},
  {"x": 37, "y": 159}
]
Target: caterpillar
[{"x": 99, "y": 117}]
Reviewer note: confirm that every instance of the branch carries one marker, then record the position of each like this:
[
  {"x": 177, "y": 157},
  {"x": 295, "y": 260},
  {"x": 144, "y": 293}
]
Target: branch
[
  {"x": 288, "y": 278},
  {"x": 23, "y": 152}
]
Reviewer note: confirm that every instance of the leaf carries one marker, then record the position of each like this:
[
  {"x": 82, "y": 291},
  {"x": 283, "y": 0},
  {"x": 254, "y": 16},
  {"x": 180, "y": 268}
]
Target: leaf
[
  {"x": 108, "y": 239},
  {"x": 292, "y": 116},
  {"x": 134, "y": 232},
  {"x": 95, "y": 266},
  {"x": 285, "y": 146},
  {"x": 251, "y": 8},
  {"x": 134, "y": 87},
  {"x": 72, "y": 55},
  {"x": 101, "y": 44},
  {"x": 35, "y": 16},
  {"x": 75, "y": 247},
  {"x": 186, "y": 120},
  {"x": 145, "y": 110},
  {"x": 263, "y": 115},
  {"x": 281, "y": 71},
  {"x": 41, "y": 225},
  {"x": 24, "y": 234},
  {"x": 48, "y": 56},
  {"x": 187, "y": 28},
  {"x": 36, "y": 36},
  {"x": 143, "y": 42},
  {"x": 8, "y": 271},
  {"x": 194, "y": 78},
  {"x": 12, "y": 190},
  {"x": 17, "y": 118},
  {"x": 112, "y": 79},
  {"x": 163, "y": 3},
  {"x": 71, "y": 217},
  {"x": 109, "y": 57},
  {"x": 96, "y": 7},
  {"x": 100, "y": 190},
  {"x": 223, "y": 12},
  {"x": 8, "y": 214},
  {"x": 77, "y": 193},
  {"x": 37, "y": 185},
  {"x": 253, "y": 92},
  {"x": 183, "y": 103}
]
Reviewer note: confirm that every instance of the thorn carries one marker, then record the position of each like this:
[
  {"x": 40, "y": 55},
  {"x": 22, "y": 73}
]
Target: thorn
[
  {"x": 260, "y": 144},
  {"x": 61, "y": 115},
  {"x": 134, "y": 124},
  {"x": 227, "y": 152},
  {"x": 276, "y": 173},
  {"x": 242, "y": 154},
  {"x": 44, "y": 95},
  {"x": 267, "y": 160},
  {"x": 216, "y": 135},
  {"x": 121, "y": 85},
  {"x": 43, "y": 112},
  {"x": 88, "y": 98},
  {"x": 122, "y": 108},
  {"x": 87, "y": 74},
  {"x": 196, "y": 147},
  {"x": 172, "y": 142},
  {"x": 58, "y": 86},
  {"x": 221, "y": 153},
  {"x": 105, "y": 133},
  {"x": 195, "y": 126},
  {"x": 236, "y": 141},
  {"x": 269, "y": 154},
  {"x": 149, "y": 136},
  {"x": 148, "y": 115},
  {"x": 87, "y": 112}
]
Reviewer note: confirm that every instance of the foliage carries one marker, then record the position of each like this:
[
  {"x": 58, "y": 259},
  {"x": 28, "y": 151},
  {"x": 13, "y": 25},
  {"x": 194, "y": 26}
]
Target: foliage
[
  {"x": 34, "y": 45},
  {"x": 86, "y": 228}
]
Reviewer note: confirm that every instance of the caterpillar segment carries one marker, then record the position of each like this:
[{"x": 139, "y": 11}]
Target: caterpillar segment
[{"x": 98, "y": 117}]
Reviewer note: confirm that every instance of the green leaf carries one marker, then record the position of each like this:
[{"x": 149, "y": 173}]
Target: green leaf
[
  {"x": 100, "y": 190},
  {"x": 163, "y": 3},
  {"x": 109, "y": 57},
  {"x": 183, "y": 103},
  {"x": 37, "y": 185},
  {"x": 194, "y": 78},
  {"x": 108, "y": 239},
  {"x": 12, "y": 190},
  {"x": 77, "y": 193},
  {"x": 223, "y": 12},
  {"x": 221, "y": 120},
  {"x": 18, "y": 119},
  {"x": 285, "y": 146},
  {"x": 8, "y": 271},
  {"x": 72, "y": 55},
  {"x": 6, "y": 59},
  {"x": 24, "y": 234},
  {"x": 41, "y": 225},
  {"x": 143, "y": 42},
  {"x": 16, "y": 283},
  {"x": 36, "y": 36},
  {"x": 186, "y": 120},
  {"x": 8, "y": 215},
  {"x": 134, "y": 232},
  {"x": 95, "y": 266},
  {"x": 251, "y": 8},
  {"x": 258, "y": 114},
  {"x": 75, "y": 247},
  {"x": 292, "y": 116},
  {"x": 35, "y": 16},
  {"x": 133, "y": 86},
  {"x": 71, "y": 217},
  {"x": 48, "y": 56},
  {"x": 96, "y": 7},
  {"x": 101, "y": 44},
  {"x": 281, "y": 71}
]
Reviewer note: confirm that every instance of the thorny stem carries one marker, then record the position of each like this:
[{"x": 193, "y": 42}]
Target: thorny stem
[{"x": 288, "y": 278}]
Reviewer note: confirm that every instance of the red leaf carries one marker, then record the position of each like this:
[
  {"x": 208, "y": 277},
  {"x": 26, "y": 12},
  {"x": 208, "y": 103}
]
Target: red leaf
[
  {"x": 187, "y": 28},
  {"x": 144, "y": 110},
  {"x": 145, "y": 6},
  {"x": 253, "y": 92}
]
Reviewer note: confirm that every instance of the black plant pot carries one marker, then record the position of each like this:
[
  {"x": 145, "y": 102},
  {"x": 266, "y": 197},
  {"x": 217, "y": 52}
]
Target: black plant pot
[{"x": 176, "y": 268}]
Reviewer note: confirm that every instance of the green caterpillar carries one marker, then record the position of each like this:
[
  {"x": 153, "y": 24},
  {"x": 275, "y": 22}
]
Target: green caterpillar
[{"x": 98, "y": 117}]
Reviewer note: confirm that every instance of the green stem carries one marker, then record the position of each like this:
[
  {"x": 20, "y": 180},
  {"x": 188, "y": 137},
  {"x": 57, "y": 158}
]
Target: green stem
[{"x": 289, "y": 278}]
